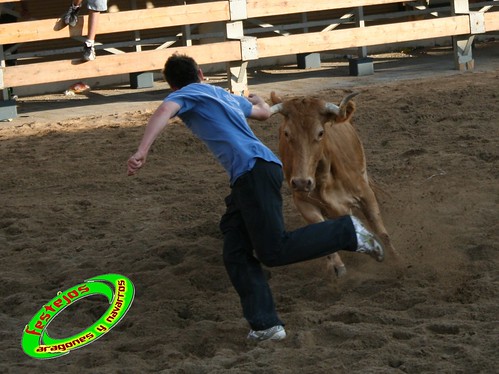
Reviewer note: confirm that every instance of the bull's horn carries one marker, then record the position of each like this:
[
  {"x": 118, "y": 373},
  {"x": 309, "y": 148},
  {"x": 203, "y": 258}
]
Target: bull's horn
[
  {"x": 332, "y": 108},
  {"x": 275, "y": 109},
  {"x": 347, "y": 98},
  {"x": 340, "y": 110},
  {"x": 344, "y": 102}
]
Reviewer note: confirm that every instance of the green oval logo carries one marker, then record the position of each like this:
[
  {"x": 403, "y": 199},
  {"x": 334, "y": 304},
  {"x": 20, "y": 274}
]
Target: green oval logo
[{"x": 119, "y": 291}]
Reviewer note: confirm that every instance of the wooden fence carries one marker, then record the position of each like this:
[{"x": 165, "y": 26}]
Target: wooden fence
[{"x": 311, "y": 29}]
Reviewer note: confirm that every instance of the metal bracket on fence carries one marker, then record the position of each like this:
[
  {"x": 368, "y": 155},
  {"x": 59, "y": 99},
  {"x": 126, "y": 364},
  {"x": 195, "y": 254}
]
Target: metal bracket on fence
[
  {"x": 234, "y": 30},
  {"x": 477, "y": 22},
  {"x": 249, "y": 49},
  {"x": 238, "y": 10}
]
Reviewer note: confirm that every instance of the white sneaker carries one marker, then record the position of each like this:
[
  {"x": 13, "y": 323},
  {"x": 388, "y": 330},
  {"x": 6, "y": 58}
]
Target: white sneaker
[
  {"x": 273, "y": 333},
  {"x": 367, "y": 242},
  {"x": 88, "y": 52}
]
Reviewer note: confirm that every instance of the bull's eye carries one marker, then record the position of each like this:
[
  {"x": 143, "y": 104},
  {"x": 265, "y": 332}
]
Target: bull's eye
[
  {"x": 286, "y": 134},
  {"x": 320, "y": 134}
]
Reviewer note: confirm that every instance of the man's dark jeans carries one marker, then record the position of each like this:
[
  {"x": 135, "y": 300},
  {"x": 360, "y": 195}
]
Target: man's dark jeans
[{"x": 254, "y": 233}]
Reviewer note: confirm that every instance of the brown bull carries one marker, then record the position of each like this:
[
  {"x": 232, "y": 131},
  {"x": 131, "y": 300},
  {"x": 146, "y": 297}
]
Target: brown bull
[{"x": 325, "y": 165}]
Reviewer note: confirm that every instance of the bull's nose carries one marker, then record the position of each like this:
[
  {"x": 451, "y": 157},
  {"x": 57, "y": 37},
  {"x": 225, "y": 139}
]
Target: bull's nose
[{"x": 301, "y": 184}]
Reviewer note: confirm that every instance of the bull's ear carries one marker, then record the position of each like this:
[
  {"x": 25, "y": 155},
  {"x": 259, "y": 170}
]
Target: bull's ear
[
  {"x": 274, "y": 98},
  {"x": 346, "y": 112},
  {"x": 347, "y": 107}
]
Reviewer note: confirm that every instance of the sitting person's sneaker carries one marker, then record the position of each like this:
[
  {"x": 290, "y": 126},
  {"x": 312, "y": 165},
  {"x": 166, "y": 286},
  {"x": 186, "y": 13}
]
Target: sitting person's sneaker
[
  {"x": 367, "y": 242},
  {"x": 88, "y": 52},
  {"x": 273, "y": 333},
  {"x": 70, "y": 18}
]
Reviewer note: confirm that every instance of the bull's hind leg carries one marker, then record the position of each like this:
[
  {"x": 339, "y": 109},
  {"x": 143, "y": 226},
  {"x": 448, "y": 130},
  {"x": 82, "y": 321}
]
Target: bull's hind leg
[
  {"x": 370, "y": 208},
  {"x": 336, "y": 263}
]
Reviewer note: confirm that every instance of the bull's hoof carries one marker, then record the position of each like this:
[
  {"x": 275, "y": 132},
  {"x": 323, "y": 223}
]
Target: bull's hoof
[{"x": 340, "y": 271}]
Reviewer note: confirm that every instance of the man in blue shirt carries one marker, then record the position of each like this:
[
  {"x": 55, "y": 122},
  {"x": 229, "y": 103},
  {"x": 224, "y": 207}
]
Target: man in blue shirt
[{"x": 253, "y": 224}]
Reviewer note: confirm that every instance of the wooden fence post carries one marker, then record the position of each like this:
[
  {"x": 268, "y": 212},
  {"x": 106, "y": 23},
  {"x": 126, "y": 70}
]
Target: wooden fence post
[
  {"x": 463, "y": 44},
  {"x": 236, "y": 70},
  {"x": 362, "y": 65}
]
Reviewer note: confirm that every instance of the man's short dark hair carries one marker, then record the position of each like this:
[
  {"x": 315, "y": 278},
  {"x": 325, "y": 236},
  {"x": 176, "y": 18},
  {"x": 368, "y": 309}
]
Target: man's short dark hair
[{"x": 181, "y": 70}]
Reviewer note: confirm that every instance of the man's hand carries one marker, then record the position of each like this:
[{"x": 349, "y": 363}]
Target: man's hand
[
  {"x": 135, "y": 162},
  {"x": 260, "y": 110},
  {"x": 255, "y": 99}
]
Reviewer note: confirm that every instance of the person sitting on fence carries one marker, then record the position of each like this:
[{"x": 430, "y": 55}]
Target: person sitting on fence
[{"x": 70, "y": 18}]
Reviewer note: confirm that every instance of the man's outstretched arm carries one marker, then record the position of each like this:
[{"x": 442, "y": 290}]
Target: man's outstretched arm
[{"x": 155, "y": 126}]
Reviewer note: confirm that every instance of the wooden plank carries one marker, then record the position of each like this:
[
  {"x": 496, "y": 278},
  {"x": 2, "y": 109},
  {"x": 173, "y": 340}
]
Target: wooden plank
[
  {"x": 132, "y": 20},
  {"x": 178, "y": 15},
  {"x": 74, "y": 70},
  {"x": 491, "y": 21},
  {"x": 366, "y": 36},
  {"x": 265, "y": 8}
]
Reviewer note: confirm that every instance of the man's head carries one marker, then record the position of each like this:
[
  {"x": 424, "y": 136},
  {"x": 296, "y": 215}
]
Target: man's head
[{"x": 181, "y": 70}]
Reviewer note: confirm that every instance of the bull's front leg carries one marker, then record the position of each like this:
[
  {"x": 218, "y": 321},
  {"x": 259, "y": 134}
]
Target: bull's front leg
[
  {"x": 312, "y": 214},
  {"x": 371, "y": 210}
]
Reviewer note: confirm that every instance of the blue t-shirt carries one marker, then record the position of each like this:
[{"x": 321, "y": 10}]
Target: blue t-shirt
[{"x": 218, "y": 118}]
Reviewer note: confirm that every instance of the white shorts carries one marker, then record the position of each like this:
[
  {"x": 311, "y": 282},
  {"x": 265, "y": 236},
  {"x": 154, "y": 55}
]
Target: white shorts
[{"x": 97, "y": 5}]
